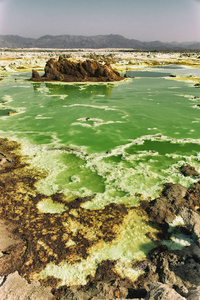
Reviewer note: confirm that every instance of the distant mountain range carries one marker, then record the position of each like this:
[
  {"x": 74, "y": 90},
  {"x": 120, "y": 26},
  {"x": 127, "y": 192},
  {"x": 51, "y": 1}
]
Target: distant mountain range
[{"x": 93, "y": 42}]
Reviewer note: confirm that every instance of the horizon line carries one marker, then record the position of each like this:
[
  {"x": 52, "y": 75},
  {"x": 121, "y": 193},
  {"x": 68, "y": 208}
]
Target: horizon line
[{"x": 110, "y": 34}]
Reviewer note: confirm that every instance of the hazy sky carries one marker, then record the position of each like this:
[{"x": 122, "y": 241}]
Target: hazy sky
[{"x": 145, "y": 20}]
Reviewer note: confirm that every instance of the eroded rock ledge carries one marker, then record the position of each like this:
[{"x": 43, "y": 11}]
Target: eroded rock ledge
[{"x": 65, "y": 70}]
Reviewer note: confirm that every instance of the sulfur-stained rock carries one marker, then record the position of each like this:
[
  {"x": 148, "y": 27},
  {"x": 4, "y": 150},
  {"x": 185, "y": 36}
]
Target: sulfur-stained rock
[{"x": 68, "y": 71}]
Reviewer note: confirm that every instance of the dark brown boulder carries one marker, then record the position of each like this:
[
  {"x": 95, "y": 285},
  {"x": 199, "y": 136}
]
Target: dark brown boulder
[
  {"x": 178, "y": 268},
  {"x": 193, "y": 195},
  {"x": 68, "y": 71},
  {"x": 35, "y": 75},
  {"x": 173, "y": 198},
  {"x": 164, "y": 208},
  {"x": 188, "y": 170}
]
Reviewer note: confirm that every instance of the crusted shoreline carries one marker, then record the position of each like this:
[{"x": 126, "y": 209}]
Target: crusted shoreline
[{"x": 171, "y": 272}]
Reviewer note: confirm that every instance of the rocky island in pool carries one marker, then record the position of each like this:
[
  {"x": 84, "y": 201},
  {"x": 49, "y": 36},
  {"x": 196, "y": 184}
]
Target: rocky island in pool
[{"x": 68, "y": 71}]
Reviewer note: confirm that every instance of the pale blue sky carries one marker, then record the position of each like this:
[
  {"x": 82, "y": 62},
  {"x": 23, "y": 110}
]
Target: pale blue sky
[{"x": 145, "y": 20}]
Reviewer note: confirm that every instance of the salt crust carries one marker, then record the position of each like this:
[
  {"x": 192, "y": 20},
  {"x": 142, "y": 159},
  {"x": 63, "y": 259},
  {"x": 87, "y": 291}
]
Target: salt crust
[{"x": 122, "y": 184}]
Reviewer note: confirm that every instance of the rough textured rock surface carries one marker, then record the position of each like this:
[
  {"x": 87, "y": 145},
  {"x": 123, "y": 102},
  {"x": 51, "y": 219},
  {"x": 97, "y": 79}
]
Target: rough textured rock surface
[
  {"x": 192, "y": 222},
  {"x": 163, "y": 209},
  {"x": 193, "y": 196},
  {"x": 194, "y": 294},
  {"x": 188, "y": 170},
  {"x": 100, "y": 290},
  {"x": 174, "y": 197},
  {"x": 5, "y": 161},
  {"x": 69, "y": 71},
  {"x": 15, "y": 287},
  {"x": 178, "y": 268},
  {"x": 35, "y": 75},
  {"x": 161, "y": 291},
  {"x": 12, "y": 249},
  {"x": 106, "y": 284}
]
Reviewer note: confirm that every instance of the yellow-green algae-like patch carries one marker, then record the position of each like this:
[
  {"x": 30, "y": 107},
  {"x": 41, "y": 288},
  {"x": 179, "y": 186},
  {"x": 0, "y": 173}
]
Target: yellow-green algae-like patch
[
  {"x": 48, "y": 206},
  {"x": 130, "y": 244},
  {"x": 184, "y": 78},
  {"x": 70, "y": 242}
]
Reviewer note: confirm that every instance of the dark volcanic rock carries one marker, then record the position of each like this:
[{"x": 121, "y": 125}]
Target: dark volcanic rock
[
  {"x": 35, "y": 75},
  {"x": 172, "y": 75},
  {"x": 193, "y": 195},
  {"x": 174, "y": 197},
  {"x": 106, "y": 284},
  {"x": 94, "y": 291},
  {"x": 188, "y": 170},
  {"x": 164, "y": 208},
  {"x": 68, "y": 71},
  {"x": 178, "y": 268},
  {"x": 162, "y": 291}
]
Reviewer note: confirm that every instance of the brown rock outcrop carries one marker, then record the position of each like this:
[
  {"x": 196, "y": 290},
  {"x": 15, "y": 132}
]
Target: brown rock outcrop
[
  {"x": 35, "y": 74},
  {"x": 68, "y": 71},
  {"x": 188, "y": 170},
  {"x": 178, "y": 268},
  {"x": 175, "y": 271},
  {"x": 164, "y": 208}
]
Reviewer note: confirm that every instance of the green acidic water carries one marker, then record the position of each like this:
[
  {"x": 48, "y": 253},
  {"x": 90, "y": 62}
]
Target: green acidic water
[
  {"x": 135, "y": 127},
  {"x": 154, "y": 114}
]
